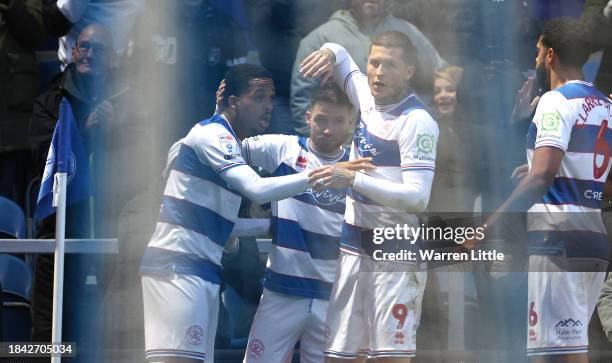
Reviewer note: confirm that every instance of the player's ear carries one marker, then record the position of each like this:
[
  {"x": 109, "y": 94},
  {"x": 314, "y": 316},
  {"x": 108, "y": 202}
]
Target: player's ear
[
  {"x": 307, "y": 117},
  {"x": 232, "y": 101},
  {"x": 550, "y": 55},
  {"x": 409, "y": 72}
]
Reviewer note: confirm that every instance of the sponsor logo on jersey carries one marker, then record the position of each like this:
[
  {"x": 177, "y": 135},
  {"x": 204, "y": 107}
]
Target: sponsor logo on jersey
[
  {"x": 365, "y": 148},
  {"x": 326, "y": 197},
  {"x": 301, "y": 162},
  {"x": 256, "y": 349},
  {"x": 568, "y": 329},
  {"x": 550, "y": 126},
  {"x": 551, "y": 122},
  {"x": 194, "y": 334},
  {"x": 568, "y": 323},
  {"x": 425, "y": 143}
]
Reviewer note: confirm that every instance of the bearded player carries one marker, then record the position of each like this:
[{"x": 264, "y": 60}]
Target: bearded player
[
  {"x": 306, "y": 234},
  {"x": 568, "y": 153}
]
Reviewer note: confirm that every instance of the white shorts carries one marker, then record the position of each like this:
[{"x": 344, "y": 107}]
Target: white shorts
[
  {"x": 282, "y": 320},
  {"x": 374, "y": 309},
  {"x": 560, "y": 305},
  {"x": 180, "y": 316}
]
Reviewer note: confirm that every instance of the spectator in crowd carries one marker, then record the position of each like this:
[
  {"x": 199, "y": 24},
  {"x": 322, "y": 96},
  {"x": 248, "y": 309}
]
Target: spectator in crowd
[
  {"x": 453, "y": 189},
  {"x": 277, "y": 27},
  {"x": 21, "y": 31},
  {"x": 68, "y": 18},
  {"x": 354, "y": 28},
  {"x": 434, "y": 19},
  {"x": 98, "y": 97},
  {"x": 597, "y": 22},
  {"x": 116, "y": 142},
  {"x": 187, "y": 47}
]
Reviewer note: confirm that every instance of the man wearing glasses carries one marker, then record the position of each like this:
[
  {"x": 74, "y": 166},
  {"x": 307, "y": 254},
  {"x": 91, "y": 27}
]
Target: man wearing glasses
[{"x": 95, "y": 97}]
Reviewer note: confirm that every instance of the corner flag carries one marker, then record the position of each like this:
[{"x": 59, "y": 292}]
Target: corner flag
[{"x": 66, "y": 155}]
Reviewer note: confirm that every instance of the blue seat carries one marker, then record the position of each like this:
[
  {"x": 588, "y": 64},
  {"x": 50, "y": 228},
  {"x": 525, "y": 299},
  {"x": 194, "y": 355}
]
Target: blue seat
[
  {"x": 234, "y": 304},
  {"x": 12, "y": 219},
  {"x": 15, "y": 277},
  {"x": 16, "y": 283}
]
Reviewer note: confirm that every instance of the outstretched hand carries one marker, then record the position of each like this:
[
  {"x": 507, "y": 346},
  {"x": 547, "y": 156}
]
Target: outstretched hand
[
  {"x": 318, "y": 64},
  {"x": 361, "y": 164},
  {"x": 520, "y": 172},
  {"x": 340, "y": 175},
  {"x": 524, "y": 105}
]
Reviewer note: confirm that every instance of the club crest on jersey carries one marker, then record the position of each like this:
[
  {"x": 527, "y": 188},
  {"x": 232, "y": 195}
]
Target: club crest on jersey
[
  {"x": 301, "y": 162},
  {"x": 256, "y": 349},
  {"x": 532, "y": 335},
  {"x": 398, "y": 338},
  {"x": 194, "y": 334}
]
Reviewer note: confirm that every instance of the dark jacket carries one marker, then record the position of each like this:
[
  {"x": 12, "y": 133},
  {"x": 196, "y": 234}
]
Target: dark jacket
[
  {"x": 599, "y": 34},
  {"x": 119, "y": 149},
  {"x": 46, "y": 110},
  {"x": 21, "y": 31}
]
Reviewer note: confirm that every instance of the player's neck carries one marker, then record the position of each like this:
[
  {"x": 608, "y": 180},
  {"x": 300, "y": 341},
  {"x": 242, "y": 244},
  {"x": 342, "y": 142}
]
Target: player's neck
[
  {"x": 398, "y": 96},
  {"x": 230, "y": 117},
  {"x": 564, "y": 75},
  {"x": 329, "y": 154}
]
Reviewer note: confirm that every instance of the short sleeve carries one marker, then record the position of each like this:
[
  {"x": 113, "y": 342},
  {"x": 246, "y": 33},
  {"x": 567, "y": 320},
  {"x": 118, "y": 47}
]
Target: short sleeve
[
  {"x": 553, "y": 121},
  {"x": 215, "y": 145},
  {"x": 417, "y": 141},
  {"x": 266, "y": 151}
]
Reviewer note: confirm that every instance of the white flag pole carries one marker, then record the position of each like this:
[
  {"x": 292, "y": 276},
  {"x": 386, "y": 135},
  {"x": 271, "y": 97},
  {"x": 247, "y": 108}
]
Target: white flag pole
[{"x": 58, "y": 275}]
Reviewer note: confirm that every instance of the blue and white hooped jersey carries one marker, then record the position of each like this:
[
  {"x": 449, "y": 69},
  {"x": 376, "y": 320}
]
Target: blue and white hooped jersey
[
  {"x": 198, "y": 209},
  {"x": 306, "y": 228},
  {"x": 576, "y": 119},
  {"x": 399, "y": 137}
]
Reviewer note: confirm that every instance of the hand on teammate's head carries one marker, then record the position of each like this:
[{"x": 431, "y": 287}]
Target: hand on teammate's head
[
  {"x": 219, "y": 97},
  {"x": 318, "y": 64}
]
